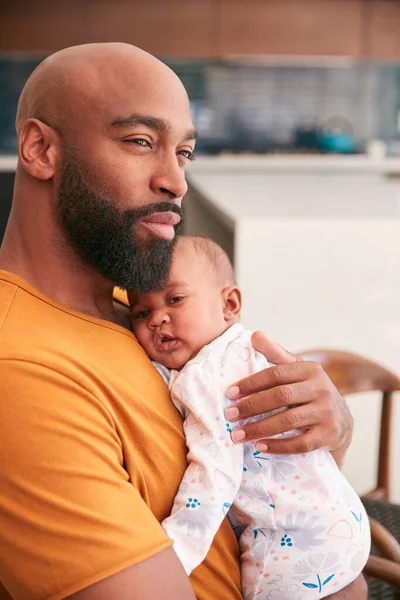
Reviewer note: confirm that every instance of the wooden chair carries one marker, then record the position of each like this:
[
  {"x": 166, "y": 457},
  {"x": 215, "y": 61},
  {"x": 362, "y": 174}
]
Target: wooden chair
[{"x": 352, "y": 373}]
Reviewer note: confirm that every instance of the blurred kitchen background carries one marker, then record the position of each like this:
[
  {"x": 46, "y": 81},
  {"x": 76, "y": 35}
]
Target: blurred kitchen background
[
  {"x": 263, "y": 75},
  {"x": 297, "y": 103}
]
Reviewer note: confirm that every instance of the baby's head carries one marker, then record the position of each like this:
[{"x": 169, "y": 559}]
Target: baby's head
[{"x": 200, "y": 301}]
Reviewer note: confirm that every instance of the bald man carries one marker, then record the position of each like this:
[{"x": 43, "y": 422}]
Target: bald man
[{"x": 92, "y": 449}]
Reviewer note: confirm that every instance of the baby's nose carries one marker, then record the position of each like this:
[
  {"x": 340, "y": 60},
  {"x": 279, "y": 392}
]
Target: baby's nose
[{"x": 158, "y": 318}]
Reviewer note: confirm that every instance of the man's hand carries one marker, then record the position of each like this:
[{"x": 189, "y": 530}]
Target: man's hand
[{"x": 313, "y": 402}]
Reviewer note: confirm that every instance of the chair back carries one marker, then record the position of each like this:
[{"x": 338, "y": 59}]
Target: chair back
[{"x": 352, "y": 373}]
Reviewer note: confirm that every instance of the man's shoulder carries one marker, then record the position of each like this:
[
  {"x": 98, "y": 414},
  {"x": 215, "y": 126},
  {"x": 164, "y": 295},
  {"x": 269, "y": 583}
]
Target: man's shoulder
[
  {"x": 8, "y": 290},
  {"x": 27, "y": 323},
  {"x": 36, "y": 330}
]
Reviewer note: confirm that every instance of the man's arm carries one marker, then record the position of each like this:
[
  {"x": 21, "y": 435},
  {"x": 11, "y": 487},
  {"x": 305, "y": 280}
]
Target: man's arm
[
  {"x": 161, "y": 576},
  {"x": 339, "y": 453},
  {"x": 357, "y": 590},
  {"x": 313, "y": 404}
]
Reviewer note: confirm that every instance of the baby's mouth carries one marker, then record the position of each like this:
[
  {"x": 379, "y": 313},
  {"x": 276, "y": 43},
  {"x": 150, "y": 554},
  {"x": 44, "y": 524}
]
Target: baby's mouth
[{"x": 165, "y": 341}]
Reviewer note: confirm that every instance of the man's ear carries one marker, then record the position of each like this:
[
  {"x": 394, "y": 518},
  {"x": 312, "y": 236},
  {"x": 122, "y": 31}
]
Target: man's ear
[
  {"x": 232, "y": 301},
  {"x": 38, "y": 149}
]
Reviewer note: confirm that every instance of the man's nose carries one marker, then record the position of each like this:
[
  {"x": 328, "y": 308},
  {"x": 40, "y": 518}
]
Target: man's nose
[{"x": 170, "y": 179}]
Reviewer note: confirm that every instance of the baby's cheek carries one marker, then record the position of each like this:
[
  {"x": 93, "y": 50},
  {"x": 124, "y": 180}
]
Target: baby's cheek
[{"x": 142, "y": 336}]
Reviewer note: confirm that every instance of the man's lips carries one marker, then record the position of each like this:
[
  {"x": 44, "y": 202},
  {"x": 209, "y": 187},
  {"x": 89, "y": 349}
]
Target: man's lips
[{"x": 162, "y": 224}]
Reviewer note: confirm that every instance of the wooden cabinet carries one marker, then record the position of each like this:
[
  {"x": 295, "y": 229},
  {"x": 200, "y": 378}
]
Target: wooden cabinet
[
  {"x": 179, "y": 28},
  {"x": 209, "y": 28},
  {"x": 41, "y": 26},
  {"x": 382, "y": 37},
  {"x": 291, "y": 27}
]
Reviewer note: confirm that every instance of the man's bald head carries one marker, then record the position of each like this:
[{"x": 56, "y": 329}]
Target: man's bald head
[
  {"x": 75, "y": 82},
  {"x": 215, "y": 259}
]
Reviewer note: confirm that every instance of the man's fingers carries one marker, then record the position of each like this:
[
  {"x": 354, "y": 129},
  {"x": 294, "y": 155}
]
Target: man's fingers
[
  {"x": 278, "y": 397},
  {"x": 300, "y": 444},
  {"x": 272, "y": 351},
  {"x": 273, "y": 376},
  {"x": 295, "y": 418}
]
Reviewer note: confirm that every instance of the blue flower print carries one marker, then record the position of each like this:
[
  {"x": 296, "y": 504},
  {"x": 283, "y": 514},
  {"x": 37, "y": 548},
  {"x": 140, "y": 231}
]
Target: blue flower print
[
  {"x": 192, "y": 503},
  {"x": 286, "y": 540},
  {"x": 318, "y": 567}
]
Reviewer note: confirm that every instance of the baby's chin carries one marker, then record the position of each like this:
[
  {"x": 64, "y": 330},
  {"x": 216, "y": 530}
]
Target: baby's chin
[
  {"x": 172, "y": 363},
  {"x": 174, "y": 360}
]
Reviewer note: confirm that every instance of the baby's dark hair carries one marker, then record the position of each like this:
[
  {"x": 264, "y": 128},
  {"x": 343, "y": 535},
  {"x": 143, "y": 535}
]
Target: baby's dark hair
[{"x": 215, "y": 256}]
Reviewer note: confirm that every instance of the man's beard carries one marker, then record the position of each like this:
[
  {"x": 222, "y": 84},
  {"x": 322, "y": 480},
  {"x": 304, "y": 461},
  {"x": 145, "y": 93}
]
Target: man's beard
[{"x": 107, "y": 238}]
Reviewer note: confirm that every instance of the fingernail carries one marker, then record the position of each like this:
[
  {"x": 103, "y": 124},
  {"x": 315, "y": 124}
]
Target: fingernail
[
  {"x": 261, "y": 446},
  {"x": 233, "y": 392},
  {"x": 231, "y": 413},
  {"x": 237, "y": 435}
]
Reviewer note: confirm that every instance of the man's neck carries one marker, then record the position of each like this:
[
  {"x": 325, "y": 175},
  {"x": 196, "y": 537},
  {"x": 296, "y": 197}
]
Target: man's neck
[{"x": 60, "y": 274}]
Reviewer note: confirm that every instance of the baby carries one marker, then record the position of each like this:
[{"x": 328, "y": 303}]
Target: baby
[{"x": 302, "y": 530}]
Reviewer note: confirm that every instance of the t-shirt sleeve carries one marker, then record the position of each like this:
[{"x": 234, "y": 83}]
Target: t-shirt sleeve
[{"x": 69, "y": 514}]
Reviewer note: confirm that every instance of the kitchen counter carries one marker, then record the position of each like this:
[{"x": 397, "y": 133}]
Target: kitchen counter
[
  {"x": 8, "y": 163},
  {"x": 298, "y": 162},
  {"x": 242, "y": 188}
]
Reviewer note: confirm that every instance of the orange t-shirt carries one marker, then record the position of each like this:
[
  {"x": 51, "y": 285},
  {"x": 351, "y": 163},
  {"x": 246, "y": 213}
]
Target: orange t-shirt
[{"x": 92, "y": 454}]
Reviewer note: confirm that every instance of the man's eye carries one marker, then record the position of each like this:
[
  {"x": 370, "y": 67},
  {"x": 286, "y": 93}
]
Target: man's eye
[
  {"x": 176, "y": 299},
  {"x": 139, "y": 142},
  {"x": 142, "y": 314},
  {"x": 187, "y": 154}
]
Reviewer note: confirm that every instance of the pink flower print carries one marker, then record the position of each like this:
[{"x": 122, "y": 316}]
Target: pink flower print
[
  {"x": 222, "y": 480},
  {"x": 315, "y": 482},
  {"x": 191, "y": 421},
  {"x": 243, "y": 352},
  {"x": 201, "y": 389}
]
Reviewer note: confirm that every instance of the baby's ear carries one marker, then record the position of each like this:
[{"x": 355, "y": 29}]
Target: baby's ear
[{"x": 232, "y": 302}]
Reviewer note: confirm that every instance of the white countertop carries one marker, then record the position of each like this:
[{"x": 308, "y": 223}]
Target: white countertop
[
  {"x": 298, "y": 187},
  {"x": 8, "y": 163},
  {"x": 297, "y": 162}
]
